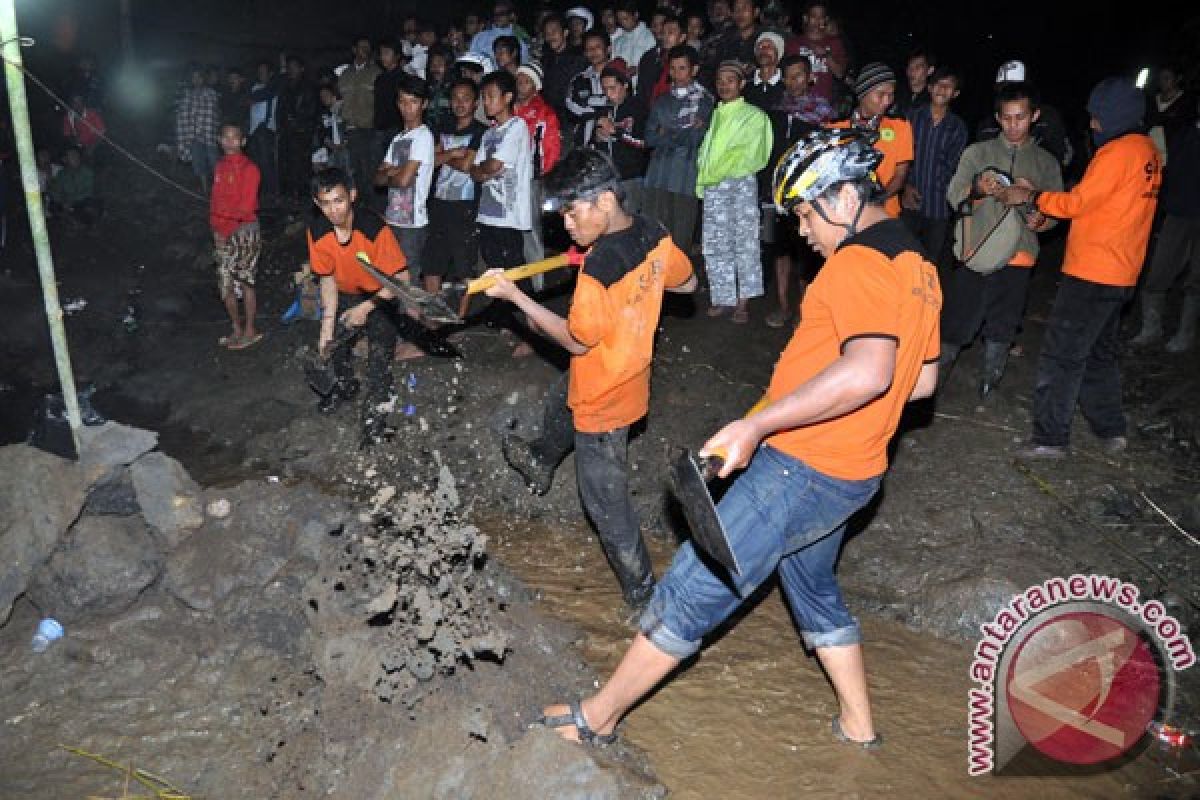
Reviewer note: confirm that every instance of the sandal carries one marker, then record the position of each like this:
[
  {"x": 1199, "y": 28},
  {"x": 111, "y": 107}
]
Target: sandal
[
  {"x": 242, "y": 343},
  {"x": 587, "y": 736},
  {"x": 840, "y": 735},
  {"x": 718, "y": 311},
  {"x": 228, "y": 341},
  {"x": 741, "y": 317}
]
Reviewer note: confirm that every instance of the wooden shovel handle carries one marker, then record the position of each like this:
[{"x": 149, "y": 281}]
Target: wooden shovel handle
[{"x": 527, "y": 270}]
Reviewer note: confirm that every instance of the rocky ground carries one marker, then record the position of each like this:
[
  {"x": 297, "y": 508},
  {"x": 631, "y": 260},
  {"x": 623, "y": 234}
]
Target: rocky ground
[{"x": 958, "y": 529}]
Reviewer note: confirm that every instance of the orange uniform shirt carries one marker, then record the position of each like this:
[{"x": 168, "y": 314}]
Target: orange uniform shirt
[
  {"x": 896, "y": 144},
  {"x": 877, "y": 284},
  {"x": 369, "y": 234},
  {"x": 1111, "y": 211},
  {"x": 615, "y": 312}
]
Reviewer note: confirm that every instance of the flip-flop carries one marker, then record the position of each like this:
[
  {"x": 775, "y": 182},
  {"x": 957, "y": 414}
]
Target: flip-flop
[
  {"x": 228, "y": 341},
  {"x": 243, "y": 342},
  {"x": 840, "y": 735},
  {"x": 574, "y": 716}
]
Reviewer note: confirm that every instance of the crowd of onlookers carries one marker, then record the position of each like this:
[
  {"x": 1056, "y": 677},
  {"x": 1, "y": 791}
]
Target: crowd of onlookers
[{"x": 693, "y": 108}]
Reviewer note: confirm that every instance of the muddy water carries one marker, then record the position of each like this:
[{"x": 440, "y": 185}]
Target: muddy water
[{"x": 750, "y": 719}]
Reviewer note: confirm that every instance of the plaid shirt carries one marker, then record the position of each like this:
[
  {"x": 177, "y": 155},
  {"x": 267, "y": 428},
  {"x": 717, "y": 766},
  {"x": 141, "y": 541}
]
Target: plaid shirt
[{"x": 196, "y": 119}]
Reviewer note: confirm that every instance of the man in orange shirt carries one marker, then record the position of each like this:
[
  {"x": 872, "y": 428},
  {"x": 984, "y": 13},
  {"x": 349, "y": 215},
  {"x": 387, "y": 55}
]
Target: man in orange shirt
[
  {"x": 875, "y": 90},
  {"x": 1111, "y": 211},
  {"x": 866, "y": 345},
  {"x": 609, "y": 333},
  {"x": 351, "y": 296}
]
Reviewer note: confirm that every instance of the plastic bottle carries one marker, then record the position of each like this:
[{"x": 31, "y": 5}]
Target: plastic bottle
[{"x": 48, "y": 632}]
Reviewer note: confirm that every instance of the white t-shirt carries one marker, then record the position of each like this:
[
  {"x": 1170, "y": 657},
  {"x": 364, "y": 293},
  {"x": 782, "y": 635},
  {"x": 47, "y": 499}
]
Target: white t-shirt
[
  {"x": 406, "y": 207},
  {"x": 504, "y": 200}
]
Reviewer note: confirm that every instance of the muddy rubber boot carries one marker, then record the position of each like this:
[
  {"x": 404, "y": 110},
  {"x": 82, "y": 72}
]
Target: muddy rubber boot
[
  {"x": 538, "y": 474},
  {"x": 342, "y": 391},
  {"x": 945, "y": 363},
  {"x": 1152, "y": 314},
  {"x": 1185, "y": 337},
  {"x": 995, "y": 357}
]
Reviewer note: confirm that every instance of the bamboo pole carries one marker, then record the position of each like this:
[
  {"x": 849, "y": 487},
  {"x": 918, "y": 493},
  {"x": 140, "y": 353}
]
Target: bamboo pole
[{"x": 19, "y": 106}]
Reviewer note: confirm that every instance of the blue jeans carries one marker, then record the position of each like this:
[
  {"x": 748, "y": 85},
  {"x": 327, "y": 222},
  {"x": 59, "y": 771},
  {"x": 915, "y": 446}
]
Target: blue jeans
[{"x": 780, "y": 513}]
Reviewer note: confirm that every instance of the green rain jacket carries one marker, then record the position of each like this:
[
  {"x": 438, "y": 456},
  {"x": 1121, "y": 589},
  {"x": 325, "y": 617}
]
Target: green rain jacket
[{"x": 738, "y": 143}]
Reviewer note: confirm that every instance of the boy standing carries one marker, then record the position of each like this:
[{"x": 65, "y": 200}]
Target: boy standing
[
  {"x": 736, "y": 147},
  {"x": 504, "y": 166},
  {"x": 453, "y": 244},
  {"x": 994, "y": 302},
  {"x": 233, "y": 216},
  {"x": 939, "y": 136},
  {"x": 407, "y": 172},
  {"x": 674, "y": 129},
  {"x": 609, "y": 333},
  {"x": 196, "y": 127}
]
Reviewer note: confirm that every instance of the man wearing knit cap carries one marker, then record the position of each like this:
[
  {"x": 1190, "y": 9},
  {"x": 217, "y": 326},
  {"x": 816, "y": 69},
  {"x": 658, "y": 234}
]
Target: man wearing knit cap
[
  {"x": 766, "y": 85},
  {"x": 875, "y": 90},
  {"x": 1111, "y": 211}
]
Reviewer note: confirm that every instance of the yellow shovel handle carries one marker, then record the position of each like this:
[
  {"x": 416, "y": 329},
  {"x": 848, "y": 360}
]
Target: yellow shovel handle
[
  {"x": 518, "y": 273},
  {"x": 762, "y": 403}
]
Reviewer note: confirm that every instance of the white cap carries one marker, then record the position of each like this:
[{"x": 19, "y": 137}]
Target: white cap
[
  {"x": 584, "y": 14},
  {"x": 485, "y": 63},
  {"x": 1011, "y": 72}
]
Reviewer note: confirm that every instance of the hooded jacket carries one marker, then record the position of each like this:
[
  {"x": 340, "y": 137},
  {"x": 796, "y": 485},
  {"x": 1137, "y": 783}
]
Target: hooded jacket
[{"x": 737, "y": 145}]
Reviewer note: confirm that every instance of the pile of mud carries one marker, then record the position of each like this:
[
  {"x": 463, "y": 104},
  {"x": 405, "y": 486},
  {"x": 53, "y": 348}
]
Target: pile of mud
[{"x": 271, "y": 640}]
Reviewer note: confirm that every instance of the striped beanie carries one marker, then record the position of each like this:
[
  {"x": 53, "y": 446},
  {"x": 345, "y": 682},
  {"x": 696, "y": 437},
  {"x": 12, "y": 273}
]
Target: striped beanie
[{"x": 874, "y": 74}]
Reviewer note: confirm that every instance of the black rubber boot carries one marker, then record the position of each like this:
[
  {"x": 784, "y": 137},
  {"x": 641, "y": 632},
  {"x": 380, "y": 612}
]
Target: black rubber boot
[
  {"x": 538, "y": 474},
  {"x": 995, "y": 357},
  {"x": 342, "y": 391},
  {"x": 945, "y": 363}
]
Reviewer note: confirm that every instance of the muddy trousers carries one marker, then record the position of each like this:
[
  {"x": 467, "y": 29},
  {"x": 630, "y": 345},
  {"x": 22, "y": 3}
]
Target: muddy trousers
[
  {"x": 381, "y": 332},
  {"x": 1078, "y": 362},
  {"x": 602, "y": 472}
]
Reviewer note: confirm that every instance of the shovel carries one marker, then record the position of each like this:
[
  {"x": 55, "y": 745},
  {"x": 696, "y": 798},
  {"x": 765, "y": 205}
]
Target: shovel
[
  {"x": 434, "y": 307},
  {"x": 318, "y": 368},
  {"x": 690, "y": 474}
]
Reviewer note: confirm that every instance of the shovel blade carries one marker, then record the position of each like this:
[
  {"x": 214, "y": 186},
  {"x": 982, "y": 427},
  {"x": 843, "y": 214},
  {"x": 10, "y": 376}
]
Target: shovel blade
[
  {"x": 691, "y": 490},
  {"x": 428, "y": 305}
]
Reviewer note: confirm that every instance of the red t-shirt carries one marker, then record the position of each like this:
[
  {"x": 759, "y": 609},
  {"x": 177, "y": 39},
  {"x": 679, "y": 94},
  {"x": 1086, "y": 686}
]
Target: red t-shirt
[{"x": 234, "y": 200}]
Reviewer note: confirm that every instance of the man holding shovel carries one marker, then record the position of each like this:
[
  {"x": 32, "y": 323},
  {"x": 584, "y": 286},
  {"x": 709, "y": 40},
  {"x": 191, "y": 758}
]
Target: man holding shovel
[
  {"x": 352, "y": 297},
  {"x": 815, "y": 453},
  {"x": 609, "y": 333}
]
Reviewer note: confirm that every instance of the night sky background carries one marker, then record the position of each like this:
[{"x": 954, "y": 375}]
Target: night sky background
[{"x": 1068, "y": 46}]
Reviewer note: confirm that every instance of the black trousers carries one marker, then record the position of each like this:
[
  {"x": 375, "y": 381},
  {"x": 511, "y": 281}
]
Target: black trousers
[
  {"x": 602, "y": 472},
  {"x": 261, "y": 149},
  {"x": 381, "y": 332},
  {"x": 1078, "y": 363},
  {"x": 994, "y": 303},
  {"x": 931, "y": 232}
]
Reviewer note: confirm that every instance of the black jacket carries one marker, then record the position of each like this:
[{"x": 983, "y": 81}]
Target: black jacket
[
  {"x": 628, "y": 151},
  {"x": 557, "y": 71}
]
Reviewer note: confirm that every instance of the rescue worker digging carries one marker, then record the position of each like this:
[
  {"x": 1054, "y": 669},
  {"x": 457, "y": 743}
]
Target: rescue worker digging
[
  {"x": 609, "y": 333},
  {"x": 867, "y": 344}
]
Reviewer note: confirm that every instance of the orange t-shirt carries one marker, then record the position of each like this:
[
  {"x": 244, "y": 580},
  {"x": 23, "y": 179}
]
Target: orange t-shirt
[
  {"x": 877, "y": 284},
  {"x": 368, "y": 234},
  {"x": 896, "y": 143},
  {"x": 615, "y": 312},
  {"x": 1111, "y": 211}
]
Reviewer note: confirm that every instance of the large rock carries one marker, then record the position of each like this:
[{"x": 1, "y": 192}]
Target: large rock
[
  {"x": 239, "y": 552},
  {"x": 101, "y": 567},
  {"x": 40, "y": 496},
  {"x": 169, "y": 498},
  {"x": 112, "y": 445}
]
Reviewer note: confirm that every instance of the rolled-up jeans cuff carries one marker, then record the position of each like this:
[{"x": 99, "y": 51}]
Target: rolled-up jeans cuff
[
  {"x": 664, "y": 638},
  {"x": 838, "y": 637}
]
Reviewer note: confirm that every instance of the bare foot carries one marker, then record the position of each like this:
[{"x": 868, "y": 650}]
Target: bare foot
[
  {"x": 719, "y": 311},
  {"x": 406, "y": 351},
  {"x": 522, "y": 350}
]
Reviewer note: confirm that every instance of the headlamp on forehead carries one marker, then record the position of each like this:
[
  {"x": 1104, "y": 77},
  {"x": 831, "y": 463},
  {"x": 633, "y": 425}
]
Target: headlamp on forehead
[{"x": 557, "y": 204}]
